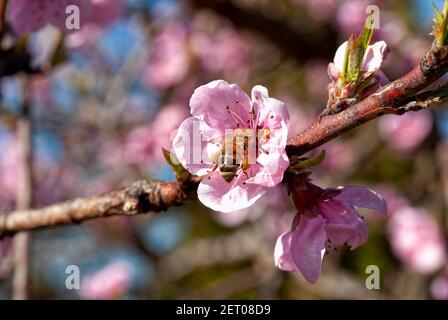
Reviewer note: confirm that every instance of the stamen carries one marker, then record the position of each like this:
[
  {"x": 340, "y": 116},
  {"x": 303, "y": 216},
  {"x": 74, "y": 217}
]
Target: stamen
[
  {"x": 258, "y": 116},
  {"x": 236, "y": 117}
]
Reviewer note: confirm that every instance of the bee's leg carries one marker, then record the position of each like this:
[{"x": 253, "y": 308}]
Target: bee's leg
[{"x": 215, "y": 166}]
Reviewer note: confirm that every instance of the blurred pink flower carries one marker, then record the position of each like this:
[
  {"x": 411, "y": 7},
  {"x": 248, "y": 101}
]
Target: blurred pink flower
[
  {"x": 406, "y": 132},
  {"x": 113, "y": 281},
  {"x": 144, "y": 144},
  {"x": 87, "y": 35},
  {"x": 225, "y": 52},
  {"x": 104, "y": 13},
  {"x": 417, "y": 240},
  {"x": 274, "y": 202},
  {"x": 316, "y": 78},
  {"x": 216, "y": 109},
  {"x": 325, "y": 219},
  {"x": 300, "y": 117},
  {"x": 29, "y": 16},
  {"x": 340, "y": 156},
  {"x": 393, "y": 198},
  {"x": 439, "y": 286},
  {"x": 394, "y": 31},
  {"x": 351, "y": 16},
  {"x": 168, "y": 61},
  {"x": 319, "y": 9},
  {"x": 40, "y": 91}
]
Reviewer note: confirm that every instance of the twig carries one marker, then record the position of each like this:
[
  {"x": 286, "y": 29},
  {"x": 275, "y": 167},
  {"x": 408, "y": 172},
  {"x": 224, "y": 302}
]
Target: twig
[
  {"x": 24, "y": 198},
  {"x": 398, "y": 97},
  {"x": 141, "y": 197},
  {"x": 389, "y": 100}
]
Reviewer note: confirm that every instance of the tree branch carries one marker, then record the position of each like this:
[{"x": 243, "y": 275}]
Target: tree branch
[
  {"x": 21, "y": 241},
  {"x": 391, "y": 99},
  {"x": 400, "y": 96},
  {"x": 141, "y": 197}
]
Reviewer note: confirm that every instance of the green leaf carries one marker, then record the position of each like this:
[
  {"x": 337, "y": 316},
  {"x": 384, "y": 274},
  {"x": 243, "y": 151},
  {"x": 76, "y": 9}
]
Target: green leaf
[
  {"x": 306, "y": 163},
  {"x": 356, "y": 48},
  {"x": 440, "y": 28},
  {"x": 174, "y": 163}
]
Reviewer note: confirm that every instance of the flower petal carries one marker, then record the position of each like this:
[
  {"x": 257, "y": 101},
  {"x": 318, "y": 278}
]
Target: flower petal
[
  {"x": 270, "y": 167},
  {"x": 26, "y": 16},
  {"x": 344, "y": 225},
  {"x": 374, "y": 56},
  {"x": 339, "y": 57},
  {"x": 363, "y": 198},
  {"x": 193, "y": 147},
  {"x": 308, "y": 247},
  {"x": 282, "y": 253},
  {"x": 273, "y": 115},
  {"x": 221, "y": 105},
  {"x": 223, "y": 196}
]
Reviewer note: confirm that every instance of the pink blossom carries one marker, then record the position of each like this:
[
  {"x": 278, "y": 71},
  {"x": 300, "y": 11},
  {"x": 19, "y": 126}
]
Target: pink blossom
[
  {"x": 144, "y": 144},
  {"x": 394, "y": 198},
  {"x": 319, "y": 9},
  {"x": 219, "y": 109},
  {"x": 417, "y": 240},
  {"x": 326, "y": 219},
  {"x": 351, "y": 16},
  {"x": 405, "y": 133},
  {"x": 394, "y": 31},
  {"x": 113, "y": 281},
  {"x": 300, "y": 117},
  {"x": 105, "y": 12},
  {"x": 316, "y": 78},
  {"x": 439, "y": 286},
  {"x": 87, "y": 35},
  {"x": 373, "y": 58},
  {"x": 40, "y": 90},
  {"x": 168, "y": 61},
  {"x": 29, "y": 16},
  {"x": 340, "y": 156},
  {"x": 224, "y": 52}
]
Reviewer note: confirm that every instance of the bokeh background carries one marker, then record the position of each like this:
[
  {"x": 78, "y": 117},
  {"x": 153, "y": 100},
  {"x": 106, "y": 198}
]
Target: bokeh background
[{"x": 111, "y": 96}]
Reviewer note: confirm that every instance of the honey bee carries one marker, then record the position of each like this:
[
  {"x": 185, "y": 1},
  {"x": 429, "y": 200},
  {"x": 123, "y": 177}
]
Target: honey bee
[{"x": 238, "y": 150}]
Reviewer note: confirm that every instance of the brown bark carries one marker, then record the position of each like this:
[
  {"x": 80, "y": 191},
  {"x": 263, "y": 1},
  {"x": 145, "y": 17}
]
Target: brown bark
[
  {"x": 24, "y": 199},
  {"x": 392, "y": 99},
  {"x": 400, "y": 96},
  {"x": 141, "y": 197}
]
